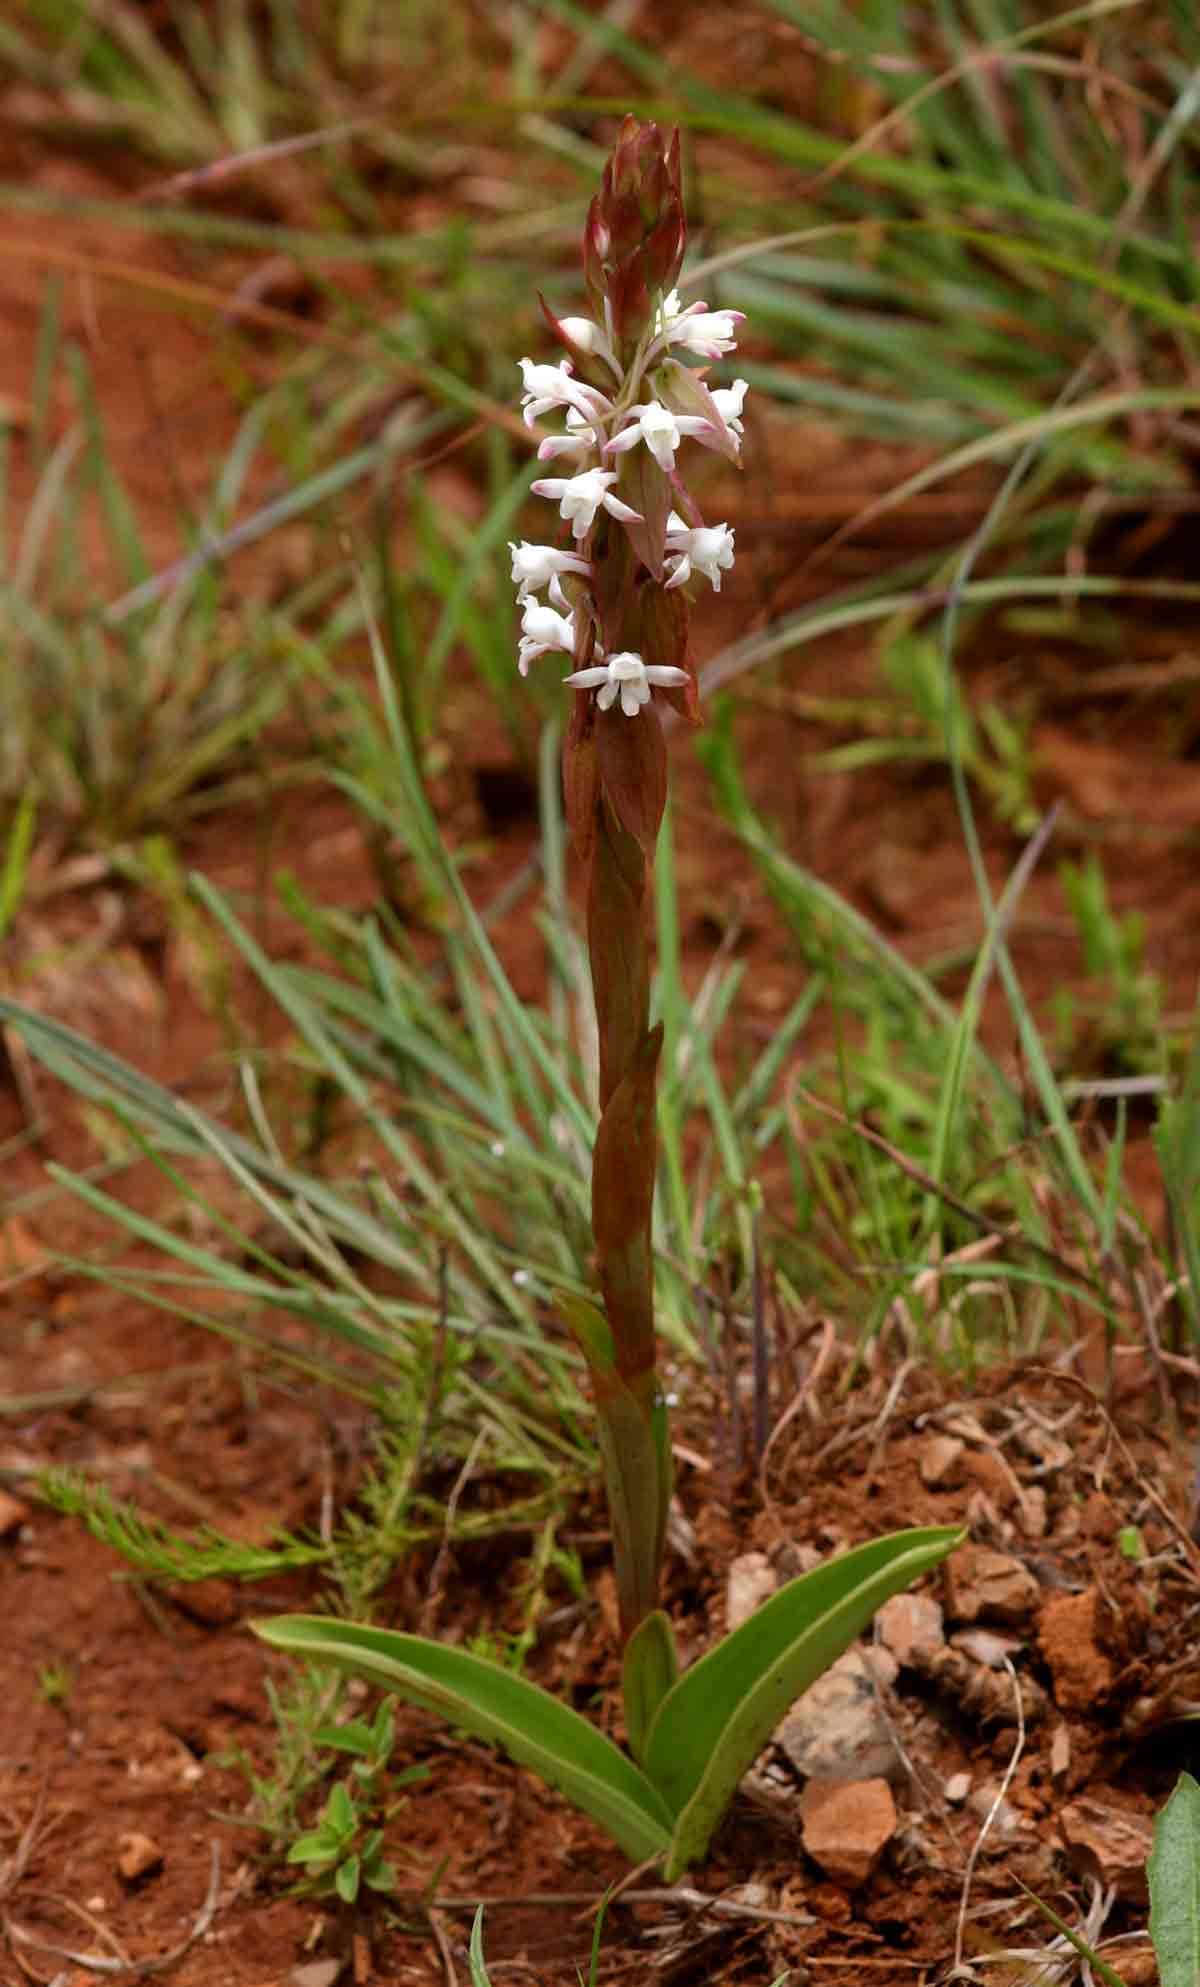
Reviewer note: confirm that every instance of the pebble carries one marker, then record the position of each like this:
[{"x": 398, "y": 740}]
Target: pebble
[
  {"x": 837, "y": 1730},
  {"x": 940, "y": 1462},
  {"x": 1110, "y": 1843},
  {"x": 912, "y": 1626},
  {"x": 981, "y": 1584},
  {"x": 846, "y": 1826},
  {"x": 984, "y": 1646},
  {"x": 138, "y": 1856},
  {"x": 750, "y": 1582},
  {"x": 956, "y": 1789},
  {"x": 1069, "y": 1628},
  {"x": 212, "y": 1603}
]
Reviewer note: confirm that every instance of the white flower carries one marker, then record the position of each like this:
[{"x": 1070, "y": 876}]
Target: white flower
[
  {"x": 588, "y": 336},
  {"x": 661, "y": 431},
  {"x": 536, "y": 566},
  {"x": 544, "y": 629},
  {"x": 626, "y": 676},
  {"x": 547, "y": 387},
  {"x": 708, "y": 549},
  {"x": 580, "y": 497},
  {"x": 730, "y": 400},
  {"x": 671, "y": 309},
  {"x": 579, "y": 440},
  {"x": 708, "y": 333}
]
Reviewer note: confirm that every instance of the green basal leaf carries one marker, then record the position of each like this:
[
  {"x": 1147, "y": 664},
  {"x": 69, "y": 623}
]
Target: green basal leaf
[
  {"x": 345, "y": 1881},
  {"x": 711, "y": 1726},
  {"x": 1174, "y": 1874},
  {"x": 651, "y": 1666},
  {"x": 494, "y": 1704}
]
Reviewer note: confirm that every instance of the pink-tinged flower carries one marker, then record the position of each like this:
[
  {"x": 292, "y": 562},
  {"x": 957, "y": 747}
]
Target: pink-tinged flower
[
  {"x": 544, "y": 630},
  {"x": 588, "y": 337},
  {"x": 730, "y": 401},
  {"x": 579, "y": 440},
  {"x": 707, "y": 333},
  {"x": 660, "y": 429},
  {"x": 707, "y": 549},
  {"x": 536, "y": 566},
  {"x": 625, "y": 675},
  {"x": 547, "y": 387},
  {"x": 580, "y": 497}
]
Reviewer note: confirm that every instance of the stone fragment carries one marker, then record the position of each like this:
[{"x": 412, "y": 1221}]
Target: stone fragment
[
  {"x": 981, "y": 1584},
  {"x": 956, "y": 1789},
  {"x": 911, "y": 1626},
  {"x": 750, "y": 1581},
  {"x": 1031, "y": 1511},
  {"x": 13, "y": 1514},
  {"x": 846, "y": 1826},
  {"x": 1109, "y": 1843},
  {"x": 882, "y": 1665},
  {"x": 1069, "y": 1633},
  {"x": 212, "y": 1603},
  {"x": 1005, "y": 1822},
  {"x": 314, "y": 1973},
  {"x": 983, "y": 1645},
  {"x": 941, "y": 1462},
  {"x": 138, "y": 1856},
  {"x": 837, "y": 1730}
]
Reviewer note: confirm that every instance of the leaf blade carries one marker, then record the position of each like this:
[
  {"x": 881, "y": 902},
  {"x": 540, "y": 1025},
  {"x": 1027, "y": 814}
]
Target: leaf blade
[
  {"x": 710, "y": 1727},
  {"x": 1174, "y": 1875},
  {"x": 497, "y": 1705}
]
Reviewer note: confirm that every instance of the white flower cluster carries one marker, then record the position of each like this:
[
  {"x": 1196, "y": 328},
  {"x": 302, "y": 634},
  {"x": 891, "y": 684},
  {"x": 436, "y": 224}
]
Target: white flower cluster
[{"x": 598, "y": 427}]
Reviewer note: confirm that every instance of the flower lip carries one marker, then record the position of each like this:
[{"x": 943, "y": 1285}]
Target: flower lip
[
  {"x": 626, "y": 676},
  {"x": 708, "y": 548},
  {"x": 544, "y": 628},
  {"x": 548, "y": 387},
  {"x": 660, "y": 429},
  {"x": 580, "y": 497}
]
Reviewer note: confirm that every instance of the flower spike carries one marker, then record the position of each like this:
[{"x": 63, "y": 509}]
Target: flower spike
[{"x": 615, "y": 597}]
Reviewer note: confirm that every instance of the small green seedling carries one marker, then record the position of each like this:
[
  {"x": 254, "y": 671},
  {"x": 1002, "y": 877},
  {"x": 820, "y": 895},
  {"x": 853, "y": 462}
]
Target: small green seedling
[{"x": 345, "y": 1850}]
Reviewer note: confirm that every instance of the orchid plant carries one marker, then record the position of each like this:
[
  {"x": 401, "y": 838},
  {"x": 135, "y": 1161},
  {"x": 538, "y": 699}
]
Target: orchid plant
[{"x": 630, "y": 391}]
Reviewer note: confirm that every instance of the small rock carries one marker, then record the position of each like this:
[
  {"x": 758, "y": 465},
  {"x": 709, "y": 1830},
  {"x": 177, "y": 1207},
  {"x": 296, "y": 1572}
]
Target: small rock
[
  {"x": 315, "y": 1973},
  {"x": 911, "y": 1626},
  {"x": 213, "y": 1603},
  {"x": 846, "y": 1826},
  {"x": 1109, "y": 1843},
  {"x": 984, "y": 1585},
  {"x": 837, "y": 1730},
  {"x": 1031, "y": 1511},
  {"x": 1069, "y": 1629},
  {"x": 1005, "y": 1822},
  {"x": 941, "y": 1462},
  {"x": 882, "y": 1665},
  {"x": 1060, "y": 1754},
  {"x": 237, "y": 1700},
  {"x": 984, "y": 1646},
  {"x": 138, "y": 1856},
  {"x": 751, "y": 1581},
  {"x": 956, "y": 1789},
  {"x": 13, "y": 1514}
]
